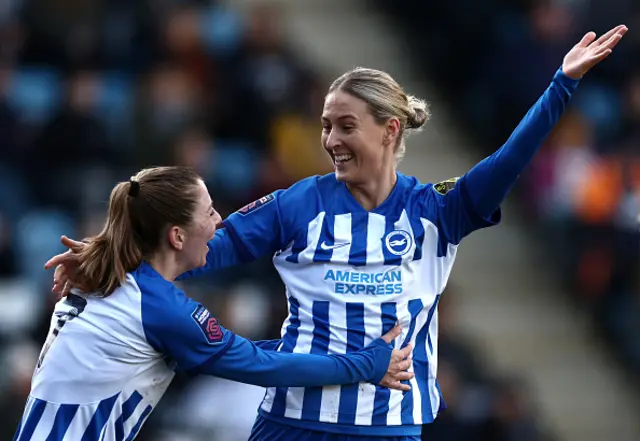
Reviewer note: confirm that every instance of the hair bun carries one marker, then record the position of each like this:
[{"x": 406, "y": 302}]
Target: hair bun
[{"x": 419, "y": 115}]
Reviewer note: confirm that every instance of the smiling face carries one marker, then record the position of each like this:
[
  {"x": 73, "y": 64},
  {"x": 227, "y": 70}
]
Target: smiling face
[{"x": 360, "y": 147}]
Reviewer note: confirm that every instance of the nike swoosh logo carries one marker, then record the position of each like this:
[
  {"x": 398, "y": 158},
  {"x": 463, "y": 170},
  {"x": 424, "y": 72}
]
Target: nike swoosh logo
[{"x": 326, "y": 247}]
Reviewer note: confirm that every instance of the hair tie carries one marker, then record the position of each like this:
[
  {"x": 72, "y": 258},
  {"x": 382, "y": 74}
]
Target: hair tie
[{"x": 134, "y": 188}]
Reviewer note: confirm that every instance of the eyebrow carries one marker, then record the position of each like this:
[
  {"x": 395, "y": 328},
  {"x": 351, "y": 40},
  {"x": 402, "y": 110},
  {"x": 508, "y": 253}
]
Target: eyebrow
[{"x": 343, "y": 117}]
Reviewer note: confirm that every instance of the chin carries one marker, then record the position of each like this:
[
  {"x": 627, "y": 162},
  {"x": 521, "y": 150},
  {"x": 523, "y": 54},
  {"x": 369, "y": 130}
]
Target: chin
[
  {"x": 348, "y": 177},
  {"x": 344, "y": 175}
]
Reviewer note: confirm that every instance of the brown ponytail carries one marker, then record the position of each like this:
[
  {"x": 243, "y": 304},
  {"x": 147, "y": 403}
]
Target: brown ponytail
[{"x": 110, "y": 255}]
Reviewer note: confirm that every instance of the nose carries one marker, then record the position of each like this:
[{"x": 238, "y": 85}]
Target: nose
[{"x": 333, "y": 141}]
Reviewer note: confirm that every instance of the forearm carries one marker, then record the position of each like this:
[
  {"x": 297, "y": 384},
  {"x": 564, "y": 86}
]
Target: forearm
[{"x": 247, "y": 363}]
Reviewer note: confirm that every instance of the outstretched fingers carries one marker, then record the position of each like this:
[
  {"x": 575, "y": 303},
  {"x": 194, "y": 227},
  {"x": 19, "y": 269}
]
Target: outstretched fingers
[
  {"x": 605, "y": 49},
  {"x": 613, "y": 41},
  {"x": 604, "y": 38}
]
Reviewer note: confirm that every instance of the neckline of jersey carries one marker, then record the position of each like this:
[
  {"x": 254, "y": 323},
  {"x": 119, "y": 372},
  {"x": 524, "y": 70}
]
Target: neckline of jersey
[{"x": 355, "y": 206}]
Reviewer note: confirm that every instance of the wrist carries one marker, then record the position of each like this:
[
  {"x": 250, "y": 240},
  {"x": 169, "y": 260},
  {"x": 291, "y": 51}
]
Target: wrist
[{"x": 569, "y": 78}]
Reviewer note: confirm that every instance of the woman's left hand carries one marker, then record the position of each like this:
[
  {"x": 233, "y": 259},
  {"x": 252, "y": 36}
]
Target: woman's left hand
[{"x": 589, "y": 52}]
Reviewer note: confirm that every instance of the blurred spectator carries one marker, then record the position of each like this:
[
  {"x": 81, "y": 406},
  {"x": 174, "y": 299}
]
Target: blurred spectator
[
  {"x": 169, "y": 104},
  {"x": 450, "y": 425},
  {"x": 14, "y": 196},
  {"x": 63, "y": 34},
  {"x": 73, "y": 143},
  {"x": 268, "y": 80},
  {"x": 7, "y": 252},
  {"x": 18, "y": 362},
  {"x": 512, "y": 417},
  {"x": 295, "y": 141}
]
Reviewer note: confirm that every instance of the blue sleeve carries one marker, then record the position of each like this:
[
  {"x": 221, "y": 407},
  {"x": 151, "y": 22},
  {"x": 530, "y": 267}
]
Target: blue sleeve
[
  {"x": 222, "y": 254},
  {"x": 191, "y": 338},
  {"x": 267, "y": 345},
  {"x": 181, "y": 328},
  {"x": 247, "y": 363},
  {"x": 473, "y": 201},
  {"x": 257, "y": 229}
]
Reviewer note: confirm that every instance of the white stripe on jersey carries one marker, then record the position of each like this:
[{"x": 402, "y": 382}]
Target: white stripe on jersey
[
  {"x": 393, "y": 416},
  {"x": 295, "y": 395},
  {"x": 434, "y": 395},
  {"x": 375, "y": 233},
  {"x": 337, "y": 345},
  {"x": 47, "y": 419}
]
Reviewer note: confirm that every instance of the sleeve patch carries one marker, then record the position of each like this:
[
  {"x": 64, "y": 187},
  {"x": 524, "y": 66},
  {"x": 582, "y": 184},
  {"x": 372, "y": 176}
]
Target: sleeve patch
[
  {"x": 253, "y": 206},
  {"x": 208, "y": 325},
  {"x": 445, "y": 187}
]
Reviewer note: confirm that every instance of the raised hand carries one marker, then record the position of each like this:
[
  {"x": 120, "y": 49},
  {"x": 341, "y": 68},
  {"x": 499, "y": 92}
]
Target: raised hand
[{"x": 589, "y": 52}]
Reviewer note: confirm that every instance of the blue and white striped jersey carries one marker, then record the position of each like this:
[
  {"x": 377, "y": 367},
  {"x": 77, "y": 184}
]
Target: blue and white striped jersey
[
  {"x": 350, "y": 275},
  {"x": 107, "y": 361}
]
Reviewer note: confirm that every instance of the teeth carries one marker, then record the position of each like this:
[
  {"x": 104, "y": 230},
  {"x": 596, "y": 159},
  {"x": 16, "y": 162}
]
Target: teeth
[{"x": 343, "y": 158}]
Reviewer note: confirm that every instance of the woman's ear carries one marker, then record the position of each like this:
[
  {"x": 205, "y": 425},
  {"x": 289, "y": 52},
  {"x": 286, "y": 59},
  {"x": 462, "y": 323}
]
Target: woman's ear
[
  {"x": 391, "y": 132},
  {"x": 176, "y": 238}
]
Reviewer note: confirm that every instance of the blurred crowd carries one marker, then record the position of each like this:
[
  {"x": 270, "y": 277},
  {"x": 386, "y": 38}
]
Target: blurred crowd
[
  {"x": 93, "y": 90},
  {"x": 581, "y": 197}
]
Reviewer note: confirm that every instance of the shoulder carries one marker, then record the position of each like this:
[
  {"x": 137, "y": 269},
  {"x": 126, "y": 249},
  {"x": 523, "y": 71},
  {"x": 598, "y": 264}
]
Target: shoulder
[
  {"x": 301, "y": 199},
  {"x": 160, "y": 299},
  {"x": 168, "y": 313},
  {"x": 310, "y": 187},
  {"x": 429, "y": 198},
  {"x": 313, "y": 185},
  {"x": 412, "y": 189},
  {"x": 298, "y": 192}
]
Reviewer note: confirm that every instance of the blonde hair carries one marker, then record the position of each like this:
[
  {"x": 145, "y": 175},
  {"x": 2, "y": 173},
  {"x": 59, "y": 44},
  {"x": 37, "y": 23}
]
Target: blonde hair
[
  {"x": 140, "y": 210},
  {"x": 386, "y": 99}
]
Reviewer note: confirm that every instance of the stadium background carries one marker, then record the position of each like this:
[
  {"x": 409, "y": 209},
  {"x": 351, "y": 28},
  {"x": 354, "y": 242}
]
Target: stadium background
[{"x": 540, "y": 326}]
